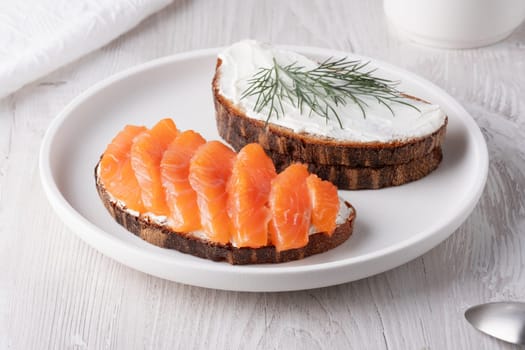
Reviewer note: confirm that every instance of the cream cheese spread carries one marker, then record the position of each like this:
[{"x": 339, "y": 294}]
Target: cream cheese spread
[{"x": 243, "y": 59}]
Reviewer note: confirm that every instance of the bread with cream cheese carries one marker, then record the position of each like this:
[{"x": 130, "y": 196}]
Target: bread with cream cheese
[{"x": 345, "y": 162}]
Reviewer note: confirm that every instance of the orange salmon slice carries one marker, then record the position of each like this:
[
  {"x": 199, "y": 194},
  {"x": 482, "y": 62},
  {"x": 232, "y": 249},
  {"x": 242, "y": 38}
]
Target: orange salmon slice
[
  {"x": 210, "y": 169},
  {"x": 174, "y": 170},
  {"x": 291, "y": 208},
  {"x": 325, "y": 204},
  {"x": 146, "y": 153},
  {"x": 248, "y": 197},
  {"x": 116, "y": 173}
]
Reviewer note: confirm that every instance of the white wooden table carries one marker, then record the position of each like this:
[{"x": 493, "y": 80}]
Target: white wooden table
[{"x": 56, "y": 292}]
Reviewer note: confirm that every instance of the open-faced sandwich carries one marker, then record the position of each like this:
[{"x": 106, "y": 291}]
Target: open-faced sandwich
[
  {"x": 176, "y": 190},
  {"x": 347, "y": 125}
]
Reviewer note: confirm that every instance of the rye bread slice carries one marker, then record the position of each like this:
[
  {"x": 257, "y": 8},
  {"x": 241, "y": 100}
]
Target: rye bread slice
[
  {"x": 162, "y": 236},
  {"x": 236, "y": 128},
  {"x": 352, "y": 178}
]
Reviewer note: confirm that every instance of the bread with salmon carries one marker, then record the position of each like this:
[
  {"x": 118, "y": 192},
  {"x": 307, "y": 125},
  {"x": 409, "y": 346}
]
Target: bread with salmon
[
  {"x": 176, "y": 190},
  {"x": 162, "y": 236},
  {"x": 393, "y": 160}
]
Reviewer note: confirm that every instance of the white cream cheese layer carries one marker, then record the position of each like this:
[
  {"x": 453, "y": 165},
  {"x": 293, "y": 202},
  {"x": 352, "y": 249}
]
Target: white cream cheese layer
[{"x": 243, "y": 59}]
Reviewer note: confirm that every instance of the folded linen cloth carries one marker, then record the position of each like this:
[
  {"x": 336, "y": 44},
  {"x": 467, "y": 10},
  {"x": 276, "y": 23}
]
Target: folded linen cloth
[{"x": 38, "y": 36}]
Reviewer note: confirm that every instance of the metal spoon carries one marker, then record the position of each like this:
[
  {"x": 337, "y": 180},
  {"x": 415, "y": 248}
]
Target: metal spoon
[{"x": 502, "y": 320}]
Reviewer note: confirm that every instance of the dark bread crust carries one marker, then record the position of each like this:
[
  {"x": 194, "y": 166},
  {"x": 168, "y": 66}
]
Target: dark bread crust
[
  {"x": 164, "y": 237},
  {"x": 368, "y": 177},
  {"x": 238, "y": 130}
]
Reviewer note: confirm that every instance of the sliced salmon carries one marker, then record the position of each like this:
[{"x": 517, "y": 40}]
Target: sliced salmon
[
  {"x": 146, "y": 154},
  {"x": 174, "y": 170},
  {"x": 116, "y": 173},
  {"x": 325, "y": 204},
  {"x": 248, "y": 197},
  {"x": 210, "y": 169},
  {"x": 291, "y": 208}
]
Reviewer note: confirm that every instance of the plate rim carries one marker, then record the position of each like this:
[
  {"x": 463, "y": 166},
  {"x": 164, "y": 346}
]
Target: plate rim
[{"x": 72, "y": 218}]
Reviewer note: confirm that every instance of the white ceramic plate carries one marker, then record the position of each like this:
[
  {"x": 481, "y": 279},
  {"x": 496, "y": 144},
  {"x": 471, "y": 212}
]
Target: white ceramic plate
[{"x": 393, "y": 226}]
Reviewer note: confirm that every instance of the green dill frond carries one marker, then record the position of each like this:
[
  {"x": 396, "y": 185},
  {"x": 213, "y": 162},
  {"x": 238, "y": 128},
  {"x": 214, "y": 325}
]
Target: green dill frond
[{"x": 333, "y": 83}]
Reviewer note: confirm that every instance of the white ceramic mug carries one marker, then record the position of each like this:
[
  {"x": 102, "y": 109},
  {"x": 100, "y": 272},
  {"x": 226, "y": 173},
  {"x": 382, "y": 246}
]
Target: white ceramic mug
[{"x": 455, "y": 23}]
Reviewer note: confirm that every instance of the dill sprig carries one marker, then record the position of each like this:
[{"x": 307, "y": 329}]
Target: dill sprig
[{"x": 321, "y": 90}]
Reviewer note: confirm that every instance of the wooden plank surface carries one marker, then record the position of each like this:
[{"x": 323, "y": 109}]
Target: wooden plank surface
[{"x": 56, "y": 292}]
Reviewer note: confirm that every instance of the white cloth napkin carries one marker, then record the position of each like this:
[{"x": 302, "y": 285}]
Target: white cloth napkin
[{"x": 38, "y": 36}]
